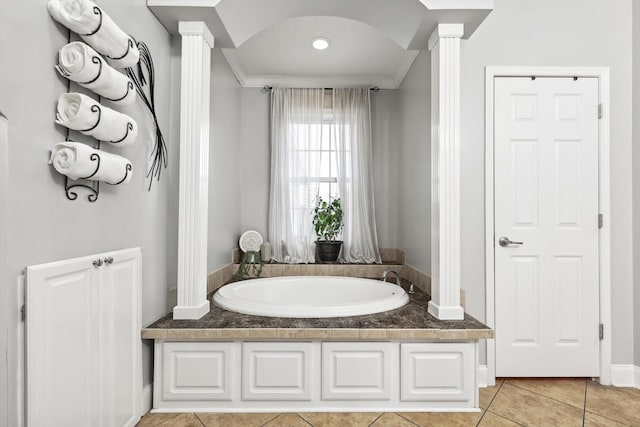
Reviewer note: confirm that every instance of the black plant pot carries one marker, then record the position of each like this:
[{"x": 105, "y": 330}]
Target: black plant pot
[{"x": 328, "y": 250}]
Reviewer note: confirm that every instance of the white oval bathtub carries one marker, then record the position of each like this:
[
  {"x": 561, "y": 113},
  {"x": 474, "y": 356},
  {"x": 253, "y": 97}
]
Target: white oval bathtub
[{"x": 310, "y": 296}]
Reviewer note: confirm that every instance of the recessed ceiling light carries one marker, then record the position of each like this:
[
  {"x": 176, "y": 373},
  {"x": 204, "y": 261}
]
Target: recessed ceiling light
[{"x": 320, "y": 43}]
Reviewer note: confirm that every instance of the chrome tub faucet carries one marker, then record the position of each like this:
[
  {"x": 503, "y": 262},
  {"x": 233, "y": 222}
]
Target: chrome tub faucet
[{"x": 386, "y": 274}]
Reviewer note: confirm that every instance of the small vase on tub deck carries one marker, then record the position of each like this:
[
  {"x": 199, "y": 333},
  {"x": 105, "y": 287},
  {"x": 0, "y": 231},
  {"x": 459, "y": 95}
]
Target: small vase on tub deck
[{"x": 327, "y": 221}]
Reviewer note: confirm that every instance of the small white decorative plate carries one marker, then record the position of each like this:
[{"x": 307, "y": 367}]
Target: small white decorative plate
[{"x": 250, "y": 241}]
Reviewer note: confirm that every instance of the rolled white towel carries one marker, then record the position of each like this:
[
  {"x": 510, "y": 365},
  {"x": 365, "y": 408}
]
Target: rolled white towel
[
  {"x": 96, "y": 28},
  {"x": 79, "y": 112},
  {"x": 83, "y": 65},
  {"x": 79, "y": 161}
]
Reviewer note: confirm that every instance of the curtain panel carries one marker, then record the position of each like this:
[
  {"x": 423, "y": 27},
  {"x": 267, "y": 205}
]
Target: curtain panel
[
  {"x": 297, "y": 126},
  {"x": 351, "y": 131}
]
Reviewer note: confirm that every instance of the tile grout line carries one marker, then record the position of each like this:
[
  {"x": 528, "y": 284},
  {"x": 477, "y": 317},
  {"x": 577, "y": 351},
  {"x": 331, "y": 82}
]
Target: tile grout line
[
  {"x": 198, "y": 418},
  {"x": 542, "y": 395},
  {"x": 490, "y": 402},
  {"x": 610, "y": 419},
  {"x": 620, "y": 389},
  {"x": 405, "y": 418},
  {"x": 298, "y": 414},
  {"x": 271, "y": 419},
  {"x": 304, "y": 419},
  {"x": 377, "y": 418}
]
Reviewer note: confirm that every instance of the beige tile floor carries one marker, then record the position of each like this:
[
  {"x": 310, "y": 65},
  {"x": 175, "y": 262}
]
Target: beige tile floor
[{"x": 511, "y": 402}]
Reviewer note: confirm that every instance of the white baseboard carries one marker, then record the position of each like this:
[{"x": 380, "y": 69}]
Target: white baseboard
[
  {"x": 483, "y": 376},
  {"x": 147, "y": 399},
  {"x": 625, "y": 376}
]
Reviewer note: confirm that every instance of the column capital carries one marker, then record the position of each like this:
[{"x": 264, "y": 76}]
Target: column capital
[
  {"x": 445, "y": 30},
  {"x": 196, "y": 28}
]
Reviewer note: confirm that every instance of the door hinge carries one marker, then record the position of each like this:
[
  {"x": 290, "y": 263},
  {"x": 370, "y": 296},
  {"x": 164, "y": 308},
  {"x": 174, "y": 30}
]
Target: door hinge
[
  {"x": 599, "y": 111},
  {"x": 601, "y": 331},
  {"x": 23, "y": 312},
  {"x": 600, "y": 220}
]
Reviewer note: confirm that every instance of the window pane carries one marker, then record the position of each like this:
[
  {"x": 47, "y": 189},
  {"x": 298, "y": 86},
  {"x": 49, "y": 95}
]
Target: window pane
[
  {"x": 334, "y": 163},
  {"x": 326, "y": 136},
  {"x": 315, "y": 137},
  {"x": 325, "y": 169}
]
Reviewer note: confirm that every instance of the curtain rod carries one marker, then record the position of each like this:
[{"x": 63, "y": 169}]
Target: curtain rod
[{"x": 267, "y": 88}]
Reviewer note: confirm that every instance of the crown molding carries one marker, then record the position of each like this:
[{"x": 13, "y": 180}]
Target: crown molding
[{"x": 381, "y": 81}]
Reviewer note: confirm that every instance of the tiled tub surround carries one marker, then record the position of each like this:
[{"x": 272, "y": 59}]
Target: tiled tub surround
[
  {"x": 400, "y": 360},
  {"x": 392, "y": 259}
]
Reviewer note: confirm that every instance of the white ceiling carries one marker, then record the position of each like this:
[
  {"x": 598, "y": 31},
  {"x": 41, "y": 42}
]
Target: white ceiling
[{"x": 373, "y": 42}]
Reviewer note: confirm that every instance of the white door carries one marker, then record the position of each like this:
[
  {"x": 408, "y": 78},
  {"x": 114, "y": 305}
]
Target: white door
[{"x": 546, "y": 226}]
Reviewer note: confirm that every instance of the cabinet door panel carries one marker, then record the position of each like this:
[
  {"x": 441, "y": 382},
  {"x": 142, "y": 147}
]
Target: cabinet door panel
[
  {"x": 61, "y": 344},
  {"x": 438, "y": 372},
  {"x": 357, "y": 371},
  {"x": 197, "y": 370},
  {"x": 277, "y": 371},
  {"x": 119, "y": 291}
]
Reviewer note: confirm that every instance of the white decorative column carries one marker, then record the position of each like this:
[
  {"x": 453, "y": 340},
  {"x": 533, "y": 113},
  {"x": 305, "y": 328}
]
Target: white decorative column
[
  {"x": 444, "y": 45},
  {"x": 197, "y": 42}
]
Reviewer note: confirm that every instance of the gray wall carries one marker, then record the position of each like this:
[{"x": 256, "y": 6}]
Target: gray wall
[
  {"x": 384, "y": 133},
  {"x": 224, "y": 161},
  {"x": 414, "y": 157},
  {"x": 255, "y": 163},
  {"x": 552, "y": 32},
  {"x": 636, "y": 181},
  {"x": 43, "y": 225}
]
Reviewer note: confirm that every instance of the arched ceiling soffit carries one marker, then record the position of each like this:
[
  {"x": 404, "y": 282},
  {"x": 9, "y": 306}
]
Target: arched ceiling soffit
[
  {"x": 408, "y": 22},
  {"x": 374, "y": 42},
  {"x": 358, "y": 53},
  {"x": 399, "y": 20}
]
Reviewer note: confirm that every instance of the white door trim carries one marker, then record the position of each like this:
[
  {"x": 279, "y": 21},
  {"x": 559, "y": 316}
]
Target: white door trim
[{"x": 604, "y": 251}]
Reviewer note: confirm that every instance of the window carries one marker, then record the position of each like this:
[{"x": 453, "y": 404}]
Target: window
[{"x": 321, "y": 156}]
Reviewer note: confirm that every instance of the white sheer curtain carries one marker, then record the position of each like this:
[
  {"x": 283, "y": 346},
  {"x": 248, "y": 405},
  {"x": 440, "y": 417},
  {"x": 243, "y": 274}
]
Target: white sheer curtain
[
  {"x": 296, "y": 129},
  {"x": 300, "y": 137},
  {"x": 351, "y": 131}
]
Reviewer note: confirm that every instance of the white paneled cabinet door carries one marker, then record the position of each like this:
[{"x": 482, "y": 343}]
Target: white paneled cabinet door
[
  {"x": 277, "y": 371},
  {"x": 438, "y": 372},
  {"x": 61, "y": 345},
  {"x": 120, "y": 325},
  {"x": 83, "y": 341},
  {"x": 358, "y": 370},
  {"x": 546, "y": 227}
]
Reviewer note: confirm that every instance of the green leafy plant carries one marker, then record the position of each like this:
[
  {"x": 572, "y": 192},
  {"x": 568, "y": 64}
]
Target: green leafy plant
[
  {"x": 250, "y": 266},
  {"x": 327, "y": 219}
]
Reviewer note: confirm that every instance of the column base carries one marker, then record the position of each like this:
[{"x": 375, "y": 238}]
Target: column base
[
  {"x": 192, "y": 312},
  {"x": 441, "y": 312}
]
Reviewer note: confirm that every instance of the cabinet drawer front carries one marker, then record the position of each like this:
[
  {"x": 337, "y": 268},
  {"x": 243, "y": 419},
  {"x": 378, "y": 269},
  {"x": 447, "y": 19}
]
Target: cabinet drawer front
[
  {"x": 438, "y": 371},
  {"x": 357, "y": 371},
  {"x": 197, "y": 371},
  {"x": 277, "y": 371}
]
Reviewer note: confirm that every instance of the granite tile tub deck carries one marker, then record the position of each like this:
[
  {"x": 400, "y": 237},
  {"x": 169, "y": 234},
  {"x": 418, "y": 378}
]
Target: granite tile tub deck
[{"x": 409, "y": 322}]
